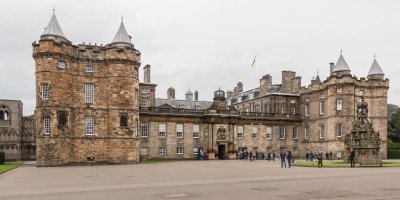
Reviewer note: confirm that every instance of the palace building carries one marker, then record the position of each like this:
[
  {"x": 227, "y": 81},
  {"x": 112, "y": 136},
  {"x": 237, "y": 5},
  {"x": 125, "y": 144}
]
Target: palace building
[{"x": 90, "y": 107}]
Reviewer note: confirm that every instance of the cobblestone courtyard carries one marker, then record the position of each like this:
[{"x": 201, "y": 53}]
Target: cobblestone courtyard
[{"x": 200, "y": 180}]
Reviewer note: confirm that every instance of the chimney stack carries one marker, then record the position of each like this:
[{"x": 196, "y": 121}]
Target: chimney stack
[
  {"x": 196, "y": 95},
  {"x": 171, "y": 93},
  {"x": 331, "y": 65}
]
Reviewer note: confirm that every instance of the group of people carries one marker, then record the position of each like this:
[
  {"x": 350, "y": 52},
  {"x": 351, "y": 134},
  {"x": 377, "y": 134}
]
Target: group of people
[
  {"x": 286, "y": 157},
  {"x": 244, "y": 154},
  {"x": 311, "y": 156}
]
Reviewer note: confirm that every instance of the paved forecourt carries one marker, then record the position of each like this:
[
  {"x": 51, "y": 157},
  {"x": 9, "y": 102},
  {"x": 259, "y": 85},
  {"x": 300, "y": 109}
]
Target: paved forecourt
[{"x": 199, "y": 180}]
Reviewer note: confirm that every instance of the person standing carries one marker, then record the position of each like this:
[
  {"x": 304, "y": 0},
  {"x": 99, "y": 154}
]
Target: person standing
[
  {"x": 352, "y": 157},
  {"x": 289, "y": 158},
  {"x": 282, "y": 156},
  {"x": 330, "y": 156},
  {"x": 273, "y": 156},
  {"x": 246, "y": 154},
  {"x": 320, "y": 157},
  {"x": 307, "y": 156}
]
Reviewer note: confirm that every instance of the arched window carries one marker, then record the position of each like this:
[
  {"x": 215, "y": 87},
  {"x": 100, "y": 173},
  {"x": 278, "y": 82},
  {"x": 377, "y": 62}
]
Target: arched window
[{"x": 4, "y": 115}]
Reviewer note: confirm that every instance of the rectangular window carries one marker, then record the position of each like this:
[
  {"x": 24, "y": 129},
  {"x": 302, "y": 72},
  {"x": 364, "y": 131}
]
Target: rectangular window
[
  {"x": 254, "y": 133},
  {"x": 89, "y": 68},
  {"x": 144, "y": 130},
  {"x": 339, "y": 104},
  {"x": 306, "y": 110},
  {"x": 321, "y": 107},
  {"x": 179, "y": 150},
  {"x": 339, "y": 90},
  {"x": 45, "y": 90},
  {"x": 89, "y": 125},
  {"x": 196, "y": 131},
  {"x": 61, "y": 64},
  {"x": 292, "y": 111},
  {"x": 339, "y": 130},
  {"x": 195, "y": 151},
  {"x": 307, "y": 132},
  {"x": 269, "y": 133},
  {"x": 46, "y": 125},
  {"x": 144, "y": 103},
  {"x": 280, "y": 110},
  {"x": 144, "y": 151},
  {"x": 162, "y": 130},
  {"x": 89, "y": 93},
  {"x": 179, "y": 130},
  {"x": 282, "y": 132},
  {"x": 321, "y": 131},
  {"x": 123, "y": 120},
  {"x": 162, "y": 150},
  {"x": 240, "y": 132},
  {"x": 295, "y": 133}
]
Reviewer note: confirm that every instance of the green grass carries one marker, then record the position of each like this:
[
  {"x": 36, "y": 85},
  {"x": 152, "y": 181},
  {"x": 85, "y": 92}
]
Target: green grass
[
  {"x": 8, "y": 166},
  {"x": 341, "y": 164}
]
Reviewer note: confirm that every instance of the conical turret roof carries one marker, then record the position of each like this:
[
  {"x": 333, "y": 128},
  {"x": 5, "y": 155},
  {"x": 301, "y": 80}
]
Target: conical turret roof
[
  {"x": 122, "y": 36},
  {"x": 375, "y": 69},
  {"x": 341, "y": 65},
  {"x": 53, "y": 28}
]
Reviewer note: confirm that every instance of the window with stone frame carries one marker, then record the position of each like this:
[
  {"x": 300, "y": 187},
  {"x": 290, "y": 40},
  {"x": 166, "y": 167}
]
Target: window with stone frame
[
  {"x": 46, "y": 125},
  {"x": 62, "y": 118},
  {"x": 89, "y": 67},
  {"x": 123, "y": 119},
  {"x": 339, "y": 104},
  {"x": 89, "y": 93},
  {"x": 179, "y": 130},
  {"x": 196, "y": 131},
  {"x": 295, "y": 133},
  {"x": 321, "y": 131},
  {"x": 44, "y": 91},
  {"x": 4, "y": 115},
  {"x": 144, "y": 103},
  {"x": 306, "y": 110},
  {"x": 61, "y": 64},
  {"x": 307, "y": 132},
  {"x": 321, "y": 107},
  {"x": 282, "y": 133},
  {"x": 339, "y": 129},
  {"x": 144, "y": 151},
  {"x": 162, "y": 130},
  {"x": 144, "y": 129},
  {"x": 240, "y": 132},
  {"x": 254, "y": 133},
  {"x": 89, "y": 125},
  {"x": 179, "y": 150},
  {"x": 162, "y": 150},
  {"x": 339, "y": 90},
  {"x": 292, "y": 110},
  {"x": 269, "y": 133}
]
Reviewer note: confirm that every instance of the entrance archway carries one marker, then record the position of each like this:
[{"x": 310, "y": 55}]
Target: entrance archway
[{"x": 221, "y": 151}]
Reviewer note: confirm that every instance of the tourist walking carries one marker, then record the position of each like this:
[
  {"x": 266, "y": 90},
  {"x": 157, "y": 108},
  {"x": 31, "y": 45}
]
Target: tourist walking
[
  {"x": 282, "y": 156},
  {"x": 289, "y": 158},
  {"x": 352, "y": 157},
  {"x": 320, "y": 156},
  {"x": 307, "y": 156},
  {"x": 245, "y": 154}
]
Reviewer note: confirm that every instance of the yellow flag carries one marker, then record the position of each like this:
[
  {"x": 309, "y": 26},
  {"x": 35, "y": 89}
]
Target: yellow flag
[{"x": 254, "y": 63}]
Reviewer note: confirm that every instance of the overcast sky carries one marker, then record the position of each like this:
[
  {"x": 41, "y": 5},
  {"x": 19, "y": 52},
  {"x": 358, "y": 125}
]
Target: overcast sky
[{"x": 208, "y": 44}]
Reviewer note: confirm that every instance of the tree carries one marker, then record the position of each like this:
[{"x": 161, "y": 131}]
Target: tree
[{"x": 394, "y": 127}]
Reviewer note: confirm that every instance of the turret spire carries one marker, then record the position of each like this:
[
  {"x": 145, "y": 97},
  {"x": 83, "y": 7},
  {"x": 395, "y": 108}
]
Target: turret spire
[
  {"x": 53, "y": 28},
  {"x": 122, "y": 36},
  {"x": 341, "y": 64},
  {"x": 375, "y": 68}
]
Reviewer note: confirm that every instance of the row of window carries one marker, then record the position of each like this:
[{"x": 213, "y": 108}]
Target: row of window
[
  {"x": 88, "y": 67},
  {"x": 88, "y": 90},
  {"x": 89, "y": 123},
  {"x": 162, "y": 130},
  {"x": 144, "y": 151},
  {"x": 339, "y": 106}
]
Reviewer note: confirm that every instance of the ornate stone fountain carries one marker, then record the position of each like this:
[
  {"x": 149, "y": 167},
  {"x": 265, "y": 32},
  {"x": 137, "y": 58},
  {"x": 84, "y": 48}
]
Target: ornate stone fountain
[{"x": 362, "y": 138}]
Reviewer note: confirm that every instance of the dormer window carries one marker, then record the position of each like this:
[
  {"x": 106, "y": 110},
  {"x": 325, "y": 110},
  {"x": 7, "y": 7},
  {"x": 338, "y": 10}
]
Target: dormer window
[{"x": 61, "y": 64}]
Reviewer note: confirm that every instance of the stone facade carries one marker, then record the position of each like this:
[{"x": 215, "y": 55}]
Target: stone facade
[
  {"x": 85, "y": 100},
  {"x": 17, "y": 138}
]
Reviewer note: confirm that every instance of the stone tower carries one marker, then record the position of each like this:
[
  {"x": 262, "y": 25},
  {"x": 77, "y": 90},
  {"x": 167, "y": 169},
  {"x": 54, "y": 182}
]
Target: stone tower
[
  {"x": 171, "y": 93},
  {"x": 146, "y": 78},
  {"x": 86, "y": 110}
]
